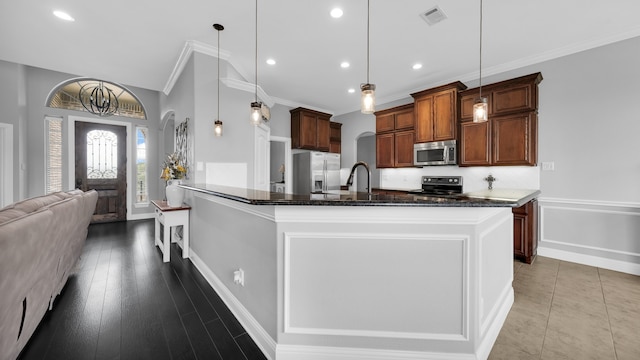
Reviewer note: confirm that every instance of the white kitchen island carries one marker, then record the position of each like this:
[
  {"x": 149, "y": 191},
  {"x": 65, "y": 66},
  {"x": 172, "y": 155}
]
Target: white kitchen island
[{"x": 357, "y": 278}]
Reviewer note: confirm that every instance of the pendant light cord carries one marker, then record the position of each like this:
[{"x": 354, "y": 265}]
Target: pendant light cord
[
  {"x": 368, "y": 7},
  {"x": 480, "y": 80},
  {"x": 218, "y": 75},
  {"x": 256, "y": 93}
]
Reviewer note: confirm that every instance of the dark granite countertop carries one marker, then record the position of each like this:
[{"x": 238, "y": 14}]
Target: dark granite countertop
[{"x": 516, "y": 198}]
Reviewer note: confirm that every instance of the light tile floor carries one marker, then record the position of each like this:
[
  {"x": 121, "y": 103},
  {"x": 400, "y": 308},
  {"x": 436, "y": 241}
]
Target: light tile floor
[{"x": 564, "y": 310}]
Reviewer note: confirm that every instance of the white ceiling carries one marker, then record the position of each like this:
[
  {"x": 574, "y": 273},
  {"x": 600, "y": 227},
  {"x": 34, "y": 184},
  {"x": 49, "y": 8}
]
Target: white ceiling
[{"x": 138, "y": 42}]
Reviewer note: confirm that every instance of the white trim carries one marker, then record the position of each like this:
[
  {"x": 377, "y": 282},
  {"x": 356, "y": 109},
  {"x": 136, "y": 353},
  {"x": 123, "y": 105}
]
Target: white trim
[
  {"x": 71, "y": 131},
  {"x": 596, "y": 261},
  {"x": 433, "y": 215},
  {"x": 141, "y": 216},
  {"x": 266, "y": 344},
  {"x": 248, "y": 87},
  {"x": 499, "y": 315},
  {"x": 547, "y": 247},
  {"x": 584, "y": 202},
  {"x": 297, "y": 352},
  {"x": 6, "y": 164},
  {"x": 288, "y": 173},
  {"x": 464, "y": 309}
]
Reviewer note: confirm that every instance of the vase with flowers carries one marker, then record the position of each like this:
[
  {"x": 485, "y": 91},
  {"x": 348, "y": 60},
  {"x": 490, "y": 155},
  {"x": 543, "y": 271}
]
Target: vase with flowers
[{"x": 173, "y": 171}]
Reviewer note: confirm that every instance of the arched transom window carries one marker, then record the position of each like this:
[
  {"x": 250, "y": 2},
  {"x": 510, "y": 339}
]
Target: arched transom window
[{"x": 98, "y": 97}]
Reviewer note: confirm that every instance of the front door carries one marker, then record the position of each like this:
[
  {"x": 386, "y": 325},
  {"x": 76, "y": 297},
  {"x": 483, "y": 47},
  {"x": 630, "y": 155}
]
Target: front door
[{"x": 101, "y": 164}]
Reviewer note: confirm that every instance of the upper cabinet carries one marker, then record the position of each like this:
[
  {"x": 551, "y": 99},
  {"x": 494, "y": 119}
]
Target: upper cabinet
[
  {"x": 335, "y": 137},
  {"x": 310, "y": 129},
  {"x": 436, "y": 113},
  {"x": 510, "y": 136},
  {"x": 395, "y": 137}
]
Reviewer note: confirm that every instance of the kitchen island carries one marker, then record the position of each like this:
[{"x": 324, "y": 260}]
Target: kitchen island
[{"x": 358, "y": 276}]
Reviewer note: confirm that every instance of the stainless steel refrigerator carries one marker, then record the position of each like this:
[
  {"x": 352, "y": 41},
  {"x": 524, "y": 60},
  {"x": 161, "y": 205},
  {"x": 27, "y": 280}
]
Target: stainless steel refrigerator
[{"x": 316, "y": 172}]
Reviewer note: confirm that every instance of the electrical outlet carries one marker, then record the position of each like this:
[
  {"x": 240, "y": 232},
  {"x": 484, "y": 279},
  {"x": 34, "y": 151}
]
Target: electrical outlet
[
  {"x": 548, "y": 166},
  {"x": 238, "y": 277}
]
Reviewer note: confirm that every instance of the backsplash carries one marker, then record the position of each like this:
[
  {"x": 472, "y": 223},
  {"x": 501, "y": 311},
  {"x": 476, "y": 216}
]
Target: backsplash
[{"x": 507, "y": 177}]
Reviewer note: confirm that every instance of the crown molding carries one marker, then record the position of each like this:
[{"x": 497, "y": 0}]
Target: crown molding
[
  {"x": 189, "y": 48},
  {"x": 248, "y": 87}
]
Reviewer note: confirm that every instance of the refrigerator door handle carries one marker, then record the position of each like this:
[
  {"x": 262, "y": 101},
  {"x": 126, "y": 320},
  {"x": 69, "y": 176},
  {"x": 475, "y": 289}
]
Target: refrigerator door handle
[{"x": 324, "y": 173}]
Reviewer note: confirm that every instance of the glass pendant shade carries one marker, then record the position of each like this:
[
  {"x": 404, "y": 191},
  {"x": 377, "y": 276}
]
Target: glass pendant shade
[
  {"x": 256, "y": 115},
  {"x": 368, "y": 98},
  {"x": 217, "y": 128},
  {"x": 480, "y": 110}
]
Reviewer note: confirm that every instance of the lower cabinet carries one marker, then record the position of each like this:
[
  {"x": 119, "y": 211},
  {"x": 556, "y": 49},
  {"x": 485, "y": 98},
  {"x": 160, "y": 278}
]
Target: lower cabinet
[{"x": 525, "y": 231}]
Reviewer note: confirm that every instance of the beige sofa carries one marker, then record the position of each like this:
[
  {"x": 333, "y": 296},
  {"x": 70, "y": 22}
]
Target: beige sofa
[{"x": 41, "y": 240}]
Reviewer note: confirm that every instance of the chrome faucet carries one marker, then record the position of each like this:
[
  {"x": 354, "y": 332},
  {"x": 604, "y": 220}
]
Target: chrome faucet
[{"x": 353, "y": 170}]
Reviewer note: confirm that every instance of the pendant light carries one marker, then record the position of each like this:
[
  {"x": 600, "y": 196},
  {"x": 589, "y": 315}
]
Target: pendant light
[
  {"x": 256, "y": 106},
  {"x": 480, "y": 107},
  {"x": 368, "y": 96},
  {"x": 217, "y": 125}
]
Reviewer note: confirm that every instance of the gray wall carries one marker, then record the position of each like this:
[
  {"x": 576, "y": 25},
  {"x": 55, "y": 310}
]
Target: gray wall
[
  {"x": 14, "y": 112},
  {"x": 24, "y": 95}
]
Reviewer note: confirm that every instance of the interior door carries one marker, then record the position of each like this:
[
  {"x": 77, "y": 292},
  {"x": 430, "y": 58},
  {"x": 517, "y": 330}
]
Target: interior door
[{"x": 101, "y": 161}]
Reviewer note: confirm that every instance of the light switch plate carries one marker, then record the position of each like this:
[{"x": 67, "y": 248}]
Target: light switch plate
[{"x": 548, "y": 166}]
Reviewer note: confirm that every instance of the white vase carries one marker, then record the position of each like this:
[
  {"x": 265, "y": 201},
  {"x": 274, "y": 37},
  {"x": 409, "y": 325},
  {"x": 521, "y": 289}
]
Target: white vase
[{"x": 175, "y": 194}]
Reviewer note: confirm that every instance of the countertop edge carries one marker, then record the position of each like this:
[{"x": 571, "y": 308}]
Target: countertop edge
[{"x": 358, "y": 199}]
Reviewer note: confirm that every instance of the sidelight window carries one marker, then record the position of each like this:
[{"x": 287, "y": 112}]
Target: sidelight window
[
  {"x": 53, "y": 146},
  {"x": 142, "y": 193}
]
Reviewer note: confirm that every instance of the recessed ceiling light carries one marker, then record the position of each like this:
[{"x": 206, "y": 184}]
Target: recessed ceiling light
[
  {"x": 336, "y": 13},
  {"x": 271, "y": 62},
  {"x": 344, "y": 64},
  {"x": 351, "y": 91},
  {"x": 417, "y": 66},
  {"x": 63, "y": 15}
]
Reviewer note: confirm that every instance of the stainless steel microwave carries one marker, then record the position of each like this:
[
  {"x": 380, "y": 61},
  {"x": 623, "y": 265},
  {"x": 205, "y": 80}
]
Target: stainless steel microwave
[{"x": 435, "y": 153}]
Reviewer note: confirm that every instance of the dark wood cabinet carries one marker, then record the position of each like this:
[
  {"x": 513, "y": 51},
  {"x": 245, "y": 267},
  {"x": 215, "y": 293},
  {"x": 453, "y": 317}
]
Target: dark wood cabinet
[
  {"x": 435, "y": 112},
  {"x": 510, "y": 136},
  {"x": 525, "y": 231},
  {"x": 475, "y": 144},
  {"x": 335, "y": 137},
  {"x": 403, "y": 151},
  {"x": 515, "y": 139},
  {"x": 310, "y": 129},
  {"x": 395, "y": 137}
]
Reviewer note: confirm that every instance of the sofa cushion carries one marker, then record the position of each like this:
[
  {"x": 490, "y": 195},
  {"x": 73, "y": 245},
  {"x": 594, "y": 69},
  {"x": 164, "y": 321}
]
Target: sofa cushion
[
  {"x": 10, "y": 213},
  {"x": 36, "y": 203}
]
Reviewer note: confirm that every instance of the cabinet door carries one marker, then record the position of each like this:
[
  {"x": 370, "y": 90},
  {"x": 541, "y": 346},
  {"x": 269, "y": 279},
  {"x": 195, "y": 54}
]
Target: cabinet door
[
  {"x": 519, "y": 234},
  {"x": 404, "y": 120},
  {"x": 385, "y": 123},
  {"x": 322, "y": 130},
  {"x": 404, "y": 148},
  {"x": 515, "y": 98},
  {"x": 424, "y": 119},
  {"x": 514, "y": 139},
  {"x": 475, "y": 144},
  {"x": 308, "y": 136},
  {"x": 444, "y": 119},
  {"x": 385, "y": 150}
]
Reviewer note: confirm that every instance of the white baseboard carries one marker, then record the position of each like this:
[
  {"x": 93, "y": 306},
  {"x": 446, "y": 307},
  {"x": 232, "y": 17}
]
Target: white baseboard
[
  {"x": 141, "y": 216},
  {"x": 610, "y": 264},
  {"x": 266, "y": 344},
  {"x": 295, "y": 352}
]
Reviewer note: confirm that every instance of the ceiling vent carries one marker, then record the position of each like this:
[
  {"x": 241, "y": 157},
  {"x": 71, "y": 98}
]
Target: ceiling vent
[{"x": 433, "y": 15}]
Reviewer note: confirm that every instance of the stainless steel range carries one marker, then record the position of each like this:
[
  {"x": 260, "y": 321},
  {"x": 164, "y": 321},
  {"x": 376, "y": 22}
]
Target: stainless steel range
[{"x": 440, "y": 186}]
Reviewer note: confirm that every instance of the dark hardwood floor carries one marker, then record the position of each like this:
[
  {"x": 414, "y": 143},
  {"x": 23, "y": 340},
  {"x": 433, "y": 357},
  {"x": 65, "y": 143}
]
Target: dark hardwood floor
[{"x": 125, "y": 303}]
